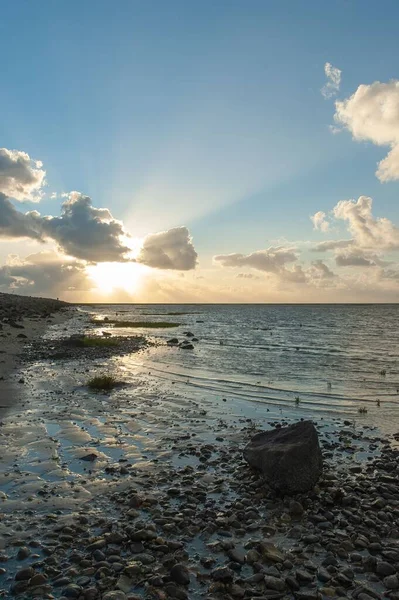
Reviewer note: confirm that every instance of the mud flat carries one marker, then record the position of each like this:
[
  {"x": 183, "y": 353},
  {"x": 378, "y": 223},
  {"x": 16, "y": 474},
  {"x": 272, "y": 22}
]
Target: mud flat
[
  {"x": 23, "y": 319},
  {"x": 138, "y": 494}
]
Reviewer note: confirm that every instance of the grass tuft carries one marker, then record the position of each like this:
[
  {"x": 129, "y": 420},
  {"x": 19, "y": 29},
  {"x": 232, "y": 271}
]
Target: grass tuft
[
  {"x": 102, "y": 383},
  {"x": 362, "y": 410}
]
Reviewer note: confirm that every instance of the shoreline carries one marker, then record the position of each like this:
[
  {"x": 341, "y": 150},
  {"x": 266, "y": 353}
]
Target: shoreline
[
  {"x": 22, "y": 320},
  {"x": 137, "y": 494}
]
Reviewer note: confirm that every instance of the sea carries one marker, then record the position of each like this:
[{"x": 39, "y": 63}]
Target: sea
[{"x": 300, "y": 361}]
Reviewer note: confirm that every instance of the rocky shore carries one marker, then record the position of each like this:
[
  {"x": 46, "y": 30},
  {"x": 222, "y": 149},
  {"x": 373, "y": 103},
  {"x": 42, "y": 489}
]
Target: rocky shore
[
  {"x": 214, "y": 529},
  {"x": 131, "y": 495}
]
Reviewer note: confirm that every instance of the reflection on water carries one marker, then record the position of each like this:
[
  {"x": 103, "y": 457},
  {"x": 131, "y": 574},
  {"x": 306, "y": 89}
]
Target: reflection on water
[{"x": 334, "y": 358}]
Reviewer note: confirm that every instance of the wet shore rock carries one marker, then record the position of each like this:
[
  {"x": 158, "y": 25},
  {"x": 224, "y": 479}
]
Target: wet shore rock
[{"x": 289, "y": 458}]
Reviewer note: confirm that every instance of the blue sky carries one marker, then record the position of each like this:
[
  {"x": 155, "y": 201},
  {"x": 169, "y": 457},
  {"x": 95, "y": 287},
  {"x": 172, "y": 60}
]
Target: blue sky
[{"x": 207, "y": 115}]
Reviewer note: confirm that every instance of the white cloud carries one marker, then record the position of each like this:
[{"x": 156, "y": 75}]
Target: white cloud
[
  {"x": 356, "y": 257},
  {"x": 246, "y": 276},
  {"x": 367, "y": 231},
  {"x": 21, "y": 177},
  {"x": 320, "y": 222},
  {"x": 333, "y": 75},
  {"x": 372, "y": 114},
  {"x": 331, "y": 245},
  {"x": 172, "y": 249},
  {"x": 270, "y": 260}
]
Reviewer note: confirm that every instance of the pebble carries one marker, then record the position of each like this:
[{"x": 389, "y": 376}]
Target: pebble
[{"x": 180, "y": 574}]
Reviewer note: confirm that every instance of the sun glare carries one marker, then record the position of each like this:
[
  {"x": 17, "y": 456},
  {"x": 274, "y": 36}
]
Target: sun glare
[{"x": 108, "y": 277}]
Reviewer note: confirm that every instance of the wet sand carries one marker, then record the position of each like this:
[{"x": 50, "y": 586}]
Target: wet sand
[{"x": 139, "y": 494}]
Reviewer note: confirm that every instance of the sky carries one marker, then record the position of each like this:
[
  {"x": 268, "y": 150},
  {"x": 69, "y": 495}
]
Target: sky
[{"x": 222, "y": 151}]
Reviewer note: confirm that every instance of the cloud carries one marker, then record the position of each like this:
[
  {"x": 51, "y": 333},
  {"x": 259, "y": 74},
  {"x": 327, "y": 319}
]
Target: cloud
[
  {"x": 319, "y": 270},
  {"x": 270, "y": 260},
  {"x": 86, "y": 232},
  {"x": 333, "y": 75},
  {"x": 45, "y": 273},
  {"x": 14, "y": 224},
  {"x": 21, "y": 177},
  {"x": 319, "y": 221},
  {"x": 172, "y": 249},
  {"x": 247, "y": 276},
  {"x": 372, "y": 114},
  {"x": 331, "y": 245},
  {"x": 367, "y": 232}
]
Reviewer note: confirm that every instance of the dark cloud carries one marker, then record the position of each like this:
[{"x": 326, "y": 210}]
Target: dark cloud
[
  {"x": 44, "y": 273},
  {"x": 270, "y": 260},
  {"x": 20, "y": 176},
  {"x": 86, "y": 232},
  {"x": 14, "y": 224},
  {"x": 82, "y": 231},
  {"x": 172, "y": 249}
]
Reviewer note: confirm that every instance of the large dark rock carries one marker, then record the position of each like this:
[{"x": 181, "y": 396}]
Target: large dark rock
[{"x": 289, "y": 458}]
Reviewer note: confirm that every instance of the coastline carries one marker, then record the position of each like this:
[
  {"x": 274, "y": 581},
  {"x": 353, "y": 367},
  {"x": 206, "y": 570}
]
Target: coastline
[
  {"x": 138, "y": 494},
  {"x": 22, "y": 320}
]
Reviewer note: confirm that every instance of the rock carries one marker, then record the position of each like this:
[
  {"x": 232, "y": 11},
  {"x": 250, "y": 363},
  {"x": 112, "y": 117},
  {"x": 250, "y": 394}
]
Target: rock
[
  {"x": 89, "y": 457},
  {"x": 186, "y": 346},
  {"x": 223, "y": 574},
  {"x": 391, "y": 582},
  {"x": 23, "y": 553},
  {"x": 38, "y": 579},
  {"x": 384, "y": 569},
  {"x": 116, "y": 595},
  {"x": 180, "y": 574},
  {"x": 24, "y": 574},
  {"x": 271, "y": 552},
  {"x": 289, "y": 457},
  {"x": 124, "y": 583},
  {"x": 296, "y": 509},
  {"x": 274, "y": 583},
  {"x": 172, "y": 342}
]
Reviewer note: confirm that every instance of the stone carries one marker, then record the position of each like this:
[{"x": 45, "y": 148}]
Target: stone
[
  {"x": 223, "y": 574},
  {"x": 289, "y": 458},
  {"x": 384, "y": 569},
  {"x": 274, "y": 583},
  {"x": 271, "y": 552},
  {"x": 115, "y": 595},
  {"x": 23, "y": 553},
  {"x": 391, "y": 582},
  {"x": 24, "y": 574},
  {"x": 180, "y": 574},
  {"x": 296, "y": 509}
]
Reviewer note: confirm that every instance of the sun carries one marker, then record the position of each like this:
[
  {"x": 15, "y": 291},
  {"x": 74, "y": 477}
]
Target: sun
[{"x": 108, "y": 277}]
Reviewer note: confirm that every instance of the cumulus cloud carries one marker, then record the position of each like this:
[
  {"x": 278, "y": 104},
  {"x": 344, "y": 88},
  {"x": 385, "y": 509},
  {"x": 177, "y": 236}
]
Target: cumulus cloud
[
  {"x": 319, "y": 270},
  {"x": 172, "y": 249},
  {"x": 86, "y": 232},
  {"x": 14, "y": 224},
  {"x": 20, "y": 177},
  {"x": 367, "y": 231},
  {"x": 319, "y": 221},
  {"x": 331, "y": 245},
  {"x": 44, "y": 273},
  {"x": 270, "y": 260},
  {"x": 372, "y": 114},
  {"x": 333, "y": 75}
]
